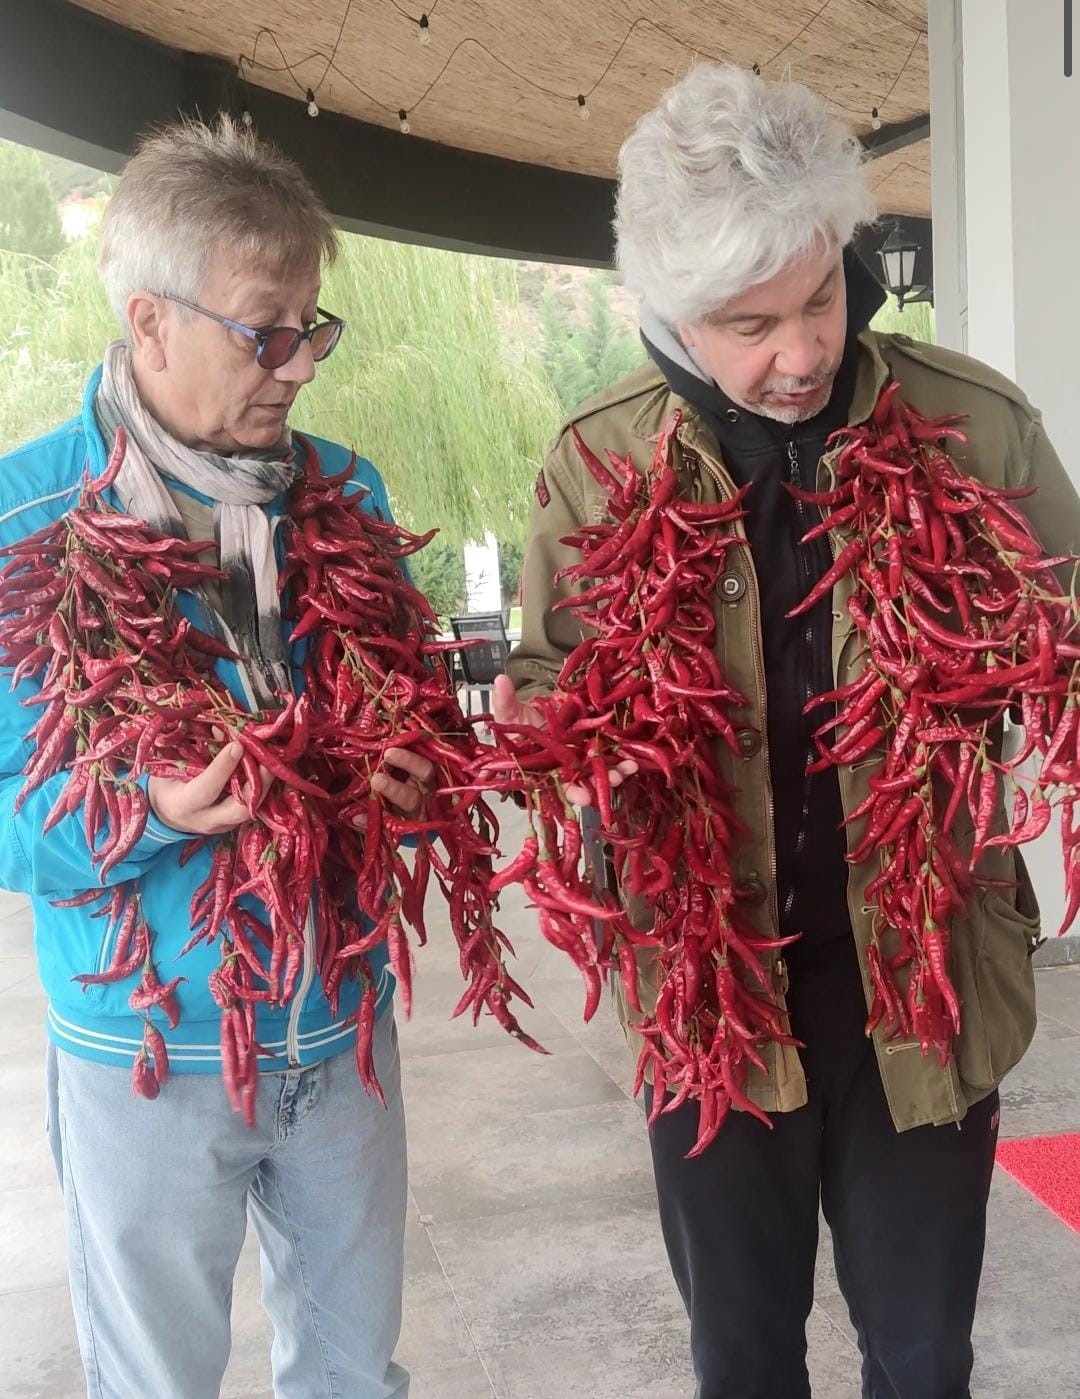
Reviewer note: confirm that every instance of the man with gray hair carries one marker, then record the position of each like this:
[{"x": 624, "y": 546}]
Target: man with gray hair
[
  {"x": 737, "y": 203},
  {"x": 212, "y": 251}
]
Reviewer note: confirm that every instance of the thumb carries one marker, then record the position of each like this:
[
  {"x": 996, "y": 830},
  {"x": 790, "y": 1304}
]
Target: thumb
[
  {"x": 505, "y": 707},
  {"x": 205, "y": 789}
]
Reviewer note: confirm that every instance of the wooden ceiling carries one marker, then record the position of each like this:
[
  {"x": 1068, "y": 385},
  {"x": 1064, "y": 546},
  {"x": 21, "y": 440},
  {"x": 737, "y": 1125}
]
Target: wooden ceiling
[{"x": 502, "y": 77}]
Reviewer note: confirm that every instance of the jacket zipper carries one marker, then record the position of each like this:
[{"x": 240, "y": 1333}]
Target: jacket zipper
[
  {"x": 292, "y": 1034},
  {"x": 795, "y": 478},
  {"x": 726, "y": 487}
]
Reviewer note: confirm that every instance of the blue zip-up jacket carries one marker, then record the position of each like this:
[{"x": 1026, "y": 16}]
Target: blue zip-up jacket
[{"x": 38, "y": 483}]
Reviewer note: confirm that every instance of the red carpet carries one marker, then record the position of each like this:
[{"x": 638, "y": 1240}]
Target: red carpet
[{"x": 1049, "y": 1169}]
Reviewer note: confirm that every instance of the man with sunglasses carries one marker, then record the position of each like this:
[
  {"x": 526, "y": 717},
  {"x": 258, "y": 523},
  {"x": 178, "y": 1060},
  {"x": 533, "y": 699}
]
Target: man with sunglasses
[{"x": 212, "y": 249}]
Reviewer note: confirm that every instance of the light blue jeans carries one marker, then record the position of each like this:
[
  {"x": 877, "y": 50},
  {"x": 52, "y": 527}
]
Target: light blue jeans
[{"x": 157, "y": 1195}]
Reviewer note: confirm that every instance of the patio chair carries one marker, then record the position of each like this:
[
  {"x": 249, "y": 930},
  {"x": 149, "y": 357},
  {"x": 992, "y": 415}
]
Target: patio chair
[{"x": 481, "y": 664}]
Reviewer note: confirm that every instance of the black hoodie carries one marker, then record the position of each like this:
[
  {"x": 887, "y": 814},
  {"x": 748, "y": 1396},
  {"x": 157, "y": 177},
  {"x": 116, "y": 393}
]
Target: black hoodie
[{"x": 810, "y": 842}]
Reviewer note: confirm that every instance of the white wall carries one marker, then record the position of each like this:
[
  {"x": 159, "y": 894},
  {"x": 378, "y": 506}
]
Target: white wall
[{"x": 1005, "y": 131}]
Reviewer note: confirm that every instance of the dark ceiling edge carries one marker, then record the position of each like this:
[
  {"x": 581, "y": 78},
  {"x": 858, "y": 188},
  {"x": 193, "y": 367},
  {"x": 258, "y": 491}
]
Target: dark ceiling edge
[
  {"x": 895, "y": 137},
  {"x": 83, "y": 87}
]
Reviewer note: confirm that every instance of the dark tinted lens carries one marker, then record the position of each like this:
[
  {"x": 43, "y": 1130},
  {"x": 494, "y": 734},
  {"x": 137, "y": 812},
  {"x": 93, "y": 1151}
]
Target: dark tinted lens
[
  {"x": 324, "y": 338},
  {"x": 278, "y": 347}
]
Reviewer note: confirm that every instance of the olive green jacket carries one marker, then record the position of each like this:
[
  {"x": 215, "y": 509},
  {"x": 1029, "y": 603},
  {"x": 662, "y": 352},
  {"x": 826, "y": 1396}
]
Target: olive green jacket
[{"x": 992, "y": 945}]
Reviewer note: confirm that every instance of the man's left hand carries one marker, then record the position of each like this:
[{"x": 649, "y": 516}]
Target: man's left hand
[{"x": 406, "y": 795}]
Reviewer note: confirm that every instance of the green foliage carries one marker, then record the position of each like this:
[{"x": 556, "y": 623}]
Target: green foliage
[
  {"x": 29, "y": 222},
  {"x": 511, "y": 557},
  {"x": 434, "y": 383},
  {"x": 53, "y": 329},
  {"x": 583, "y": 357},
  {"x": 916, "y": 320},
  {"x": 432, "y": 380},
  {"x": 439, "y": 572}
]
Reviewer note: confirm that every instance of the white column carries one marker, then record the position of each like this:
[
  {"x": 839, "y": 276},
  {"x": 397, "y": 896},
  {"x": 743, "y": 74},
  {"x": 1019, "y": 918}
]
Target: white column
[
  {"x": 1005, "y": 124},
  {"x": 947, "y": 172},
  {"x": 482, "y": 589}
]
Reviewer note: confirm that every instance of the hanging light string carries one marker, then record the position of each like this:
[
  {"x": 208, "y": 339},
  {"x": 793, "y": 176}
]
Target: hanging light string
[
  {"x": 580, "y": 98},
  {"x": 895, "y": 170}
]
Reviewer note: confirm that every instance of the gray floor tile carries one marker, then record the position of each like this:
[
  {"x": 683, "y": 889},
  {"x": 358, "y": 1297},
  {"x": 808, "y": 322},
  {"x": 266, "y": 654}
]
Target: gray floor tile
[
  {"x": 460, "y": 1379},
  {"x": 832, "y": 1359},
  {"x": 18, "y": 972},
  {"x": 25, "y": 1159},
  {"x": 431, "y": 1030},
  {"x": 248, "y": 1372},
  {"x": 17, "y": 935},
  {"x": 1058, "y": 991},
  {"x": 505, "y": 1080},
  {"x": 433, "y": 1330},
  {"x": 1042, "y": 1094},
  {"x": 494, "y": 1163},
  {"x": 32, "y": 1238},
  {"x": 633, "y": 1363},
  {"x": 22, "y": 1066},
  {"x": 1025, "y": 1329},
  {"x": 39, "y": 1353},
  {"x": 569, "y": 1274},
  {"x": 12, "y": 904},
  {"x": 1049, "y": 1028}
]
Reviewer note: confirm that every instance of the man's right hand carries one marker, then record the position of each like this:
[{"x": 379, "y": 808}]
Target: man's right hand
[
  {"x": 506, "y": 708},
  {"x": 196, "y": 806}
]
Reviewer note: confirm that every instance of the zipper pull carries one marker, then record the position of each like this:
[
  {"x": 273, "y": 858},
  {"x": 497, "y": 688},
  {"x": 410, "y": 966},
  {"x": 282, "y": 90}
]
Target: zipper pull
[{"x": 794, "y": 474}]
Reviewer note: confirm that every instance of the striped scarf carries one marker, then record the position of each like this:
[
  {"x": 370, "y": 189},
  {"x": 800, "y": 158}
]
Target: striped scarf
[{"x": 249, "y": 619}]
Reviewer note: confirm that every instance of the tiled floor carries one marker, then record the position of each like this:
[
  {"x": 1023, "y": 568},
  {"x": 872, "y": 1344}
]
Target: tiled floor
[{"x": 535, "y": 1265}]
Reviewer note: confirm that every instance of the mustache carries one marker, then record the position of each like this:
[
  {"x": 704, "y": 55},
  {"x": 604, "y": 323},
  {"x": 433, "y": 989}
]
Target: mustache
[{"x": 802, "y": 385}]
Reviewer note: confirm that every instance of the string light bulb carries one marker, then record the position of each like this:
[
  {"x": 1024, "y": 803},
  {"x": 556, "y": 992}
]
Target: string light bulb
[
  {"x": 424, "y": 25},
  {"x": 312, "y": 105},
  {"x": 875, "y": 120},
  {"x": 403, "y": 122},
  {"x": 757, "y": 70},
  {"x": 583, "y": 107},
  {"x": 246, "y": 117}
]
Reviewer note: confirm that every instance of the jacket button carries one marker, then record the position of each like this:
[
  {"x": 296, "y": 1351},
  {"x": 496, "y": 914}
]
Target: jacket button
[
  {"x": 732, "y": 415},
  {"x": 751, "y": 891},
  {"x": 749, "y": 742},
  {"x": 731, "y": 586}
]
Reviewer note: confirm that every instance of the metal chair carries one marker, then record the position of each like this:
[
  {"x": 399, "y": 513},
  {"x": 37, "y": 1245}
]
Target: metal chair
[{"x": 481, "y": 664}]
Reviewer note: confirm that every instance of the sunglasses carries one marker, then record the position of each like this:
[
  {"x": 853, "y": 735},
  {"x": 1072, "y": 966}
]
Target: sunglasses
[{"x": 277, "y": 345}]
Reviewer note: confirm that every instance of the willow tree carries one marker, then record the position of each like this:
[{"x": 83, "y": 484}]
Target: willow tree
[{"x": 436, "y": 383}]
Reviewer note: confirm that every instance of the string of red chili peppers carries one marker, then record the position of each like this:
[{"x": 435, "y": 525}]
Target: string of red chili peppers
[
  {"x": 128, "y": 690},
  {"x": 645, "y": 684},
  {"x": 963, "y": 620}
]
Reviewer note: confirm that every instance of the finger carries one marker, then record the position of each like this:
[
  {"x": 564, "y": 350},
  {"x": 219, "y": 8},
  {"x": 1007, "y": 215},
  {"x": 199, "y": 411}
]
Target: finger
[
  {"x": 404, "y": 795},
  {"x": 506, "y": 708},
  {"x": 628, "y": 767},
  {"x": 204, "y": 789},
  {"x": 415, "y": 764},
  {"x": 223, "y": 816},
  {"x": 265, "y": 778},
  {"x": 504, "y": 702}
]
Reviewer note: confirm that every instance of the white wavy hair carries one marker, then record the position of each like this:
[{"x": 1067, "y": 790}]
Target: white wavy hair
[
  {"x": 727, "y": 181},
  {"x": 193, "y": 189}
]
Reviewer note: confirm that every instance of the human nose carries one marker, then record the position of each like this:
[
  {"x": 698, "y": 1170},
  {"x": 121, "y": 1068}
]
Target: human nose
[
  {"x": 800, "y": 354},
  {"x": 300, "y": 369}
]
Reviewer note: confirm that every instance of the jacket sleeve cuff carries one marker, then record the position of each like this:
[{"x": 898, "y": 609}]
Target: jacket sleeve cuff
[{"x": 157, "y": 834}]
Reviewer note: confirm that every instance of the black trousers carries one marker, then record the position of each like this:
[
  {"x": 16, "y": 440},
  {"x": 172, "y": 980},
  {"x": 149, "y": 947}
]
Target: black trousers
[{"x": 907, "y": 1212}]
